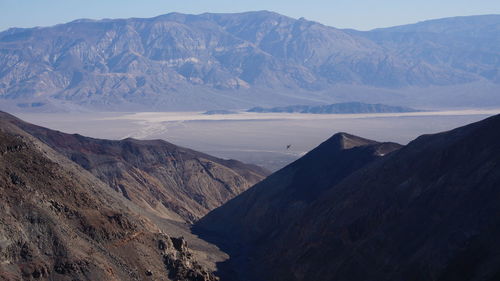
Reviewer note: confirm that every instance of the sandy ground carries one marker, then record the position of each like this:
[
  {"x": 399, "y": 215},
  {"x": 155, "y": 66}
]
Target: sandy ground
[{"x": 259, "y": 138}]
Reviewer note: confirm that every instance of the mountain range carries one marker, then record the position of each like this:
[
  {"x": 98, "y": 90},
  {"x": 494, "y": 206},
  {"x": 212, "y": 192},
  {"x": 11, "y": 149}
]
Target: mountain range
[{"x": 233, "y": 61}]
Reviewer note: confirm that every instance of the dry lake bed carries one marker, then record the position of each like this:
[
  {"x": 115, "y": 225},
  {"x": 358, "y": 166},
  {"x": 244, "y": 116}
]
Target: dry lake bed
[{"x": 259, "y": 138}]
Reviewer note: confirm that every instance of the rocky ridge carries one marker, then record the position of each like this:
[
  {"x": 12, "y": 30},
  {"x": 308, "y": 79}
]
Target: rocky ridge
[{"x": 170, "y": 181}]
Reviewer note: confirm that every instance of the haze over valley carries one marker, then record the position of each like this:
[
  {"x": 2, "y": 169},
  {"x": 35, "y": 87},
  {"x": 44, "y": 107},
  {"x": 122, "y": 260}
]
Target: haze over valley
[{"x": 257, "y": 138}]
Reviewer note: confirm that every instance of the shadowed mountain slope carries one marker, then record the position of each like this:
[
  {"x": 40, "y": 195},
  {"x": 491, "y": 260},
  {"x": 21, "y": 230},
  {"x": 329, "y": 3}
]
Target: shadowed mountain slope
[
  {"x": 59, "y": 222},
  {"x": 428, "y": 211},
  {"x": 170, "y": 181},
  {"x": 256, "y": 216}
]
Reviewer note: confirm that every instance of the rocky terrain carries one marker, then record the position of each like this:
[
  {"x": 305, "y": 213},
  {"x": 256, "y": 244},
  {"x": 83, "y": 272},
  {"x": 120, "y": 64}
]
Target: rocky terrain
[
  {"x": 59, "y": 222},
  {"x": 234, "y": 61},
  {"x": 336, "y": 108},
  {"x": 173, "y": 182},
  {"x": 353, "y": 209},
  {"x": 270, "y": 207},
  {"x": 350, "y": 209}
]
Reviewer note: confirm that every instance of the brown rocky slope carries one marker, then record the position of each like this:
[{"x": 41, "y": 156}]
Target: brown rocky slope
[
  {"x": 168, "y": 180},
  {"x": 59, "y": 222}
]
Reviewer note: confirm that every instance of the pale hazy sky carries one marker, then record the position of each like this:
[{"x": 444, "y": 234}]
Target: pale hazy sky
[{"x": 358, "y": 14}]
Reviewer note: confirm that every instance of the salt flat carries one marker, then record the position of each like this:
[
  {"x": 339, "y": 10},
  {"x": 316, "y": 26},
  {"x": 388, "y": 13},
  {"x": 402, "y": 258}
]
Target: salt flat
[
  {"x": 199, "y": 116},
  {"x": 259, "y": 138}
]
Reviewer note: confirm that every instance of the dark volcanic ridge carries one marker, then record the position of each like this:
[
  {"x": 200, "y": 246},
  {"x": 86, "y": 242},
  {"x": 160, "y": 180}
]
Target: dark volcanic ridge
[{"x": 336, "y": 108}]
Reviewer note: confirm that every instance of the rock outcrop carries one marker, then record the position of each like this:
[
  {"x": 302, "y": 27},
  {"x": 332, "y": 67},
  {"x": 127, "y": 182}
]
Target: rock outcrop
[{"x": 179, "y": 262}]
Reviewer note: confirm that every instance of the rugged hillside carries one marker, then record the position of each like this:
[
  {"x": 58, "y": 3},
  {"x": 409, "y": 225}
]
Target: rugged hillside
[
  {"x": 217, "y": 61},
  {"x": 256, "y": 216},
  {"x": 171, "y": 181},
  {"x": 428, "y": 211},
  {"x": 58, "y": 222}
]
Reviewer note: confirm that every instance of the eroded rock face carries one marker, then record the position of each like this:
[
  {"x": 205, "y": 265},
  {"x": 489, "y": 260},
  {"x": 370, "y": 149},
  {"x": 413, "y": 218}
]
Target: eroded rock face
[
  {"x": 179, "y": 261},
  {"x": 59, "y": 222},
  {"x": 170, "y": 181}
]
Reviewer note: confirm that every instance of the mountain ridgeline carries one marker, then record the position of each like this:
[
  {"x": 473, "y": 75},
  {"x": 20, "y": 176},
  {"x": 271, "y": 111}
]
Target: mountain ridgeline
[
  {"x": 230, "y": 61},
  {"x": 354, "y": 209},
  {"x": 171, "y": 181},
  {"x": 336, "y": 108}
]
